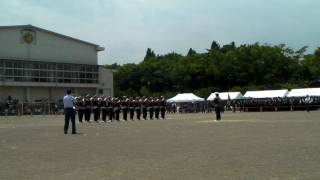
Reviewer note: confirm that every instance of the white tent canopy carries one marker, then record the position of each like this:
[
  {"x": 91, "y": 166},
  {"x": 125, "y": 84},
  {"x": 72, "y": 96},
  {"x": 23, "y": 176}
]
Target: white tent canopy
[
  {"x": 304, "y": 92},
  {"x": 224, "y": 95},
  {"x": 267, "y": 93},
  {"x": 185, "y": 97}
]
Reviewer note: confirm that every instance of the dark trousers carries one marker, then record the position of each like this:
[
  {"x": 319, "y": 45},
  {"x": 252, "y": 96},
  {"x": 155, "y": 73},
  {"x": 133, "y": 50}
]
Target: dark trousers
[
  {"x": 124, "y": 114},
  {"x": 69, "y": 113},
  {"x": 104, "y": 114},
  {"x": 110, "y": 113},
  {"x": 87, "y": 114},
  {"x": 131, "y": 113},
  {"x": 80, "y": 114},
  {"x": 156, "y": 114},
  {"x": 138, "y": 112},
  {"x": 96, "y": 113},
  {"x": 308, "y": 107},
  {"x": 151, "y": 113},
  {"x": 117, "y": 113},
  {"x": 163, "y": 111},
  {"x": 218, "y": 115},
  {"x": 144, "y": 113}
]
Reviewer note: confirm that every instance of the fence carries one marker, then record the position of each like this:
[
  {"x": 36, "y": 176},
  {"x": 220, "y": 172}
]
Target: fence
[
  {"x": 37, "y": 108},
  {"x": 50, "y": 108}
]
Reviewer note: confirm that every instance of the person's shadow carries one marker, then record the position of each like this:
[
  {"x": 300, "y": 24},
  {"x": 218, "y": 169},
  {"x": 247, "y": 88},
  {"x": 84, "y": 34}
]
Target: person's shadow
[{"x": 78, "y": 133}]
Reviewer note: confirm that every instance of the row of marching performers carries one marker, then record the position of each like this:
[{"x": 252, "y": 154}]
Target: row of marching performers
[{"x": 110, "y": 108}]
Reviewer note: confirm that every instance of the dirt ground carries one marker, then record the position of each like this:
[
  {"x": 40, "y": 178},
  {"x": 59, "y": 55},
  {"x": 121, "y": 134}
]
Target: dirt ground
[{"x": 273, "y": 145}]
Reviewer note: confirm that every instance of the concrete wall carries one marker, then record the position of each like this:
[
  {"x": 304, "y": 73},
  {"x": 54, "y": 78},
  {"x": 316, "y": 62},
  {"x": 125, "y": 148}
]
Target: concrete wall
[
  {"x": 45, "y": 47},
  {"x": 39, "y": 93},
  {"x": 85, "y": 91},
  {"x": 106, "y": 81},
  {"x": 49, "y": 47},
  {"x": 57, "y": 93},
  {"x": 2, "y": 96},
  {"x": 31, "y": 94},
  {"x": 47, "y": 84},
  {"x": 16, "y": 93}
]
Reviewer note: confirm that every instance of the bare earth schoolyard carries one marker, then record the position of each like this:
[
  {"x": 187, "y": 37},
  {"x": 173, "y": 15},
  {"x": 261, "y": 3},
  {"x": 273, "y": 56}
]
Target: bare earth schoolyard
[{"x": 273, "y": 145}]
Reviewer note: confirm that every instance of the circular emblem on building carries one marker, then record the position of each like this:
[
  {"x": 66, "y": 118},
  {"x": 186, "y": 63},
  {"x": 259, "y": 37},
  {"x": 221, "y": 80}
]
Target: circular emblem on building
[{"x": 28, "y": 38}]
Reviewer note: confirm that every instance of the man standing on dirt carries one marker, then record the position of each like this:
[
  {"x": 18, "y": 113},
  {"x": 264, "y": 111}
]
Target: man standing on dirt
[
  {"x": 216, "y": 104},
  {"x": 69, "y": 112}
]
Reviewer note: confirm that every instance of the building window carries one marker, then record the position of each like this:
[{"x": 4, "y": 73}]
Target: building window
[
  {"x": 52, "y": 66},
  {"x": 60, "y": 66},
  {"x": 30, "y": 71},
  {"x": 43, "y": 74},
  {"x": 9, "y": 64},
  {"x": 9, "y": 72}
]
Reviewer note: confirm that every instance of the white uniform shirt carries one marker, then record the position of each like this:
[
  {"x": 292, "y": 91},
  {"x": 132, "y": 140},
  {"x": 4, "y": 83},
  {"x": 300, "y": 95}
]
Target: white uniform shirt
[{"x": 308, "y": 100}]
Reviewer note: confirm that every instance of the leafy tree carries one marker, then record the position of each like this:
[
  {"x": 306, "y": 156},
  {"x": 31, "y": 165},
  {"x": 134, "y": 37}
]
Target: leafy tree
[
  {"x": 150, "y": 54},
  {"x": 113, "y": 66},
  {"x": 226, "y": 68},
  {"x": 215, "y": 45},
  {"x": 191, "y": 52}
]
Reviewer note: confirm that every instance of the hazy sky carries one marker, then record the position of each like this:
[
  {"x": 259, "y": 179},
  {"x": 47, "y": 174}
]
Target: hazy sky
[{"x": 126, "y": 28}]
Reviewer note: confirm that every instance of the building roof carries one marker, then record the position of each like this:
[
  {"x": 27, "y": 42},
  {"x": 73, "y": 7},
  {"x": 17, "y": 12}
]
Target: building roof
[
  {"x": 185, "y": 97},
  {"x": 225, "y": 95},
  {"x": 29, "y": 26},
  {"x": 304, "y": 92},
  {"x": 267, "y": 93}
]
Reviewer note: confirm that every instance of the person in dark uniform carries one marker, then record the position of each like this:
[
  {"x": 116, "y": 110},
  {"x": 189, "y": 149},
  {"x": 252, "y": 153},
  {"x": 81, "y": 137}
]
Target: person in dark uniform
[
  {"x": 87, "y": 103},
  {"x": 80, "y": 107},
  {"x": 95, "y": 108},
  {"x": 233, "y": 106},
  {"x": 163, "y": 105},
  {"x": 144, "y": 108},
  {"x": 104, "y": 110},
  {"x": 100, "y": 99},
  {"x": 124, "y": 107},
  {"x": 137, "y": 105},
  {"x": 116, "y": 108},
  {"x": 131, "y": 107},
  {"x": 157, "y": 108},
  {"x": 151, "y": 107},
  {"x": 216, "y": 104},
  {"x": 307, "y": 102},
  {"x": 110, "y": 108}
]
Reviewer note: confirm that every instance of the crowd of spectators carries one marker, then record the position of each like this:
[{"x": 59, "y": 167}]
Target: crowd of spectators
[
  {"x": 39, "y": 107},
  {"x": 278, "y": 104},
  {"x": 250, "y": 105},
  {"x": 14, "y": 107}
]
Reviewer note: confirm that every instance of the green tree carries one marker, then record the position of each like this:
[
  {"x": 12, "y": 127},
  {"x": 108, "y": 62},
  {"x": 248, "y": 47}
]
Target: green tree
[
  {"x": 191, "y": 52},
  {"x": 214, "y": 45},
  {"x": 149, "y": 54},
  {"x": 226, "y": 68}
]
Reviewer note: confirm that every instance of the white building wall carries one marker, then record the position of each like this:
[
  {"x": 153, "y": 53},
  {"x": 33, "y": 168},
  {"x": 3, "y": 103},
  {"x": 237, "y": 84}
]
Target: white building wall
[
  {"x": 47, "y": 47},
  {"x": 57, "y": 93},
  {"x": 39, "y": 93},
  {"x": 85, "y": 91},
  {"x": 10, "y": 44},
  {"x": 1, "y": 94},
  {"x": 106, "y": 81},
  {"x": 30, "y": 94}
]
